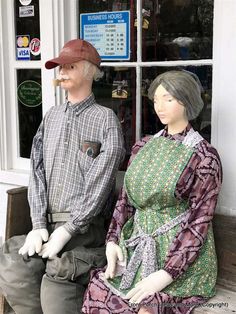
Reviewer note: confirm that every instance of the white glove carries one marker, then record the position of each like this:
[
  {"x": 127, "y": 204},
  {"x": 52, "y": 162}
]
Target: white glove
[
  {"x": 34, "y": 241},
  {"x": 56, "y": 242},
  {"x": 144, "y": 310},
  {"x": 113, "y": 253},
  {"x": 151, "y": 284}
]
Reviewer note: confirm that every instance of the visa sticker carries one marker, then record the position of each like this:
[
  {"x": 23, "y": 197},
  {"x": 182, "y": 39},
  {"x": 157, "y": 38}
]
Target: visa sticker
[{"x": 23, "y": 54}]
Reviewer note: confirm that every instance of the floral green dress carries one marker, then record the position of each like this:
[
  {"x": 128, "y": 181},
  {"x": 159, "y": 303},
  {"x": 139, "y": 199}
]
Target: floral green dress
[
  {"x": 162, "y": 220},
  {"x": 150, "y": 184}
]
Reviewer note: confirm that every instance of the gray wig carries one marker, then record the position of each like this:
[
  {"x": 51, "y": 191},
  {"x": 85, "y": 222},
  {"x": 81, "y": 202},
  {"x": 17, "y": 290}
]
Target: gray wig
[{"x": 183, "y": 86}]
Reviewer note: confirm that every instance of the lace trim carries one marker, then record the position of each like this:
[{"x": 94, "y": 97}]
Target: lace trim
[
  {"x": 192, "y": 138},
  {"x": 158, "y": 133}
]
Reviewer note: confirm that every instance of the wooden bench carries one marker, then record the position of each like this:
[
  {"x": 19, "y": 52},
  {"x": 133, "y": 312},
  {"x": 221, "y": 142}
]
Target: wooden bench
[{"x": 18, "y": 222}]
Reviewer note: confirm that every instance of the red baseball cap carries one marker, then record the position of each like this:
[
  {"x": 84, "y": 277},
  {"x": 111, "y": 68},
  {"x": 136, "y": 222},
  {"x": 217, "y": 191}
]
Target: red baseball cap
[{"x": 73, "y": 51}]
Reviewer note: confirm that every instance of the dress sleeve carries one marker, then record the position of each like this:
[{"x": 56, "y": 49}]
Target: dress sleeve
[
  {"x": 206, "y": 172},
  {"x": 123, "y": 210}
]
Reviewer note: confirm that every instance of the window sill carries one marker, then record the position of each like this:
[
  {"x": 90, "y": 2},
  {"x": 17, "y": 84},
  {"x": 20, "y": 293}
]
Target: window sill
[{"x": 16, "y": 177}]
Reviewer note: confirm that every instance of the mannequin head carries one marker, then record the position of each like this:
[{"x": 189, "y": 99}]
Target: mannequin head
[
  {"x": 78, "y": 74},
  {"x": 169, "y": 110},
  {"x": 79, "y": 64},
  {"x": 184, "y": 87}
]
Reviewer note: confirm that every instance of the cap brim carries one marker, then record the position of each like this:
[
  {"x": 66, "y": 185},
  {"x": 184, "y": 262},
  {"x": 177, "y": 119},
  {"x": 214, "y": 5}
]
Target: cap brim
[{"x": 61, "y": 60}]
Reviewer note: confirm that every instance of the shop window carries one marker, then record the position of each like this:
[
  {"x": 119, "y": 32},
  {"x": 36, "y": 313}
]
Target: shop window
[
  {"x": 29, "y": 97},
  {"x": 150, "y": 122},
  {"x": 175, "y": 34},
  {"x": 27, "y": 29},
  {"x": 172, "y": 31},
  {"x": 29, "y": 93},
  {"x": 177, "y": 30},
  {"x": 117, "y": 90}
]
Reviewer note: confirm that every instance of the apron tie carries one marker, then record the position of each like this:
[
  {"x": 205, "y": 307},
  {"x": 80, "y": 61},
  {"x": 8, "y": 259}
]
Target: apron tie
[{"x": 145, "y": 252}]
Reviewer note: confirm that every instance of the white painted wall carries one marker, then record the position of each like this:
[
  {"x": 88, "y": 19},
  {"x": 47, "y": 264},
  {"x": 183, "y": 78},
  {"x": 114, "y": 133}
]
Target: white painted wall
[{"x": 224, "y": 99}]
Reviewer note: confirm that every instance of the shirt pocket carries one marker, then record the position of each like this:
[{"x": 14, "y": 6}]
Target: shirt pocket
[{"x": 85, "y": 162}]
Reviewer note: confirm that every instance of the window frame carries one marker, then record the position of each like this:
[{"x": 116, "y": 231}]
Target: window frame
[
  {"x": 54, "y": 33},
  {"x": 15, "y": 169}
]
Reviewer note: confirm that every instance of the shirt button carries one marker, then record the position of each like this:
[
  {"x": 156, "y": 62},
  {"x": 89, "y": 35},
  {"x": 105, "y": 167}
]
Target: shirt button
[{"x": 66, "y": 143}]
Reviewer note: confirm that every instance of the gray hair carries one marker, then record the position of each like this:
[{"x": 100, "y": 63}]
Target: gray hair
[
  {"x": 88, "y": 67},
  {"x": 98, "y": 74},
  {"x": 183, "y": 86}
]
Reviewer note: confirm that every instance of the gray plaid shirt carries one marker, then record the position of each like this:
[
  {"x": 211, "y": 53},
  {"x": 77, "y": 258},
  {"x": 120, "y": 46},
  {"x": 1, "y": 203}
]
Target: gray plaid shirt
[{"x": 62, "y": 177}]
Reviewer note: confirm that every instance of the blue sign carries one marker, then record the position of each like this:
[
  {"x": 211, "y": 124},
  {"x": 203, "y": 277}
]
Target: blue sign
[
  {"x": 23, "y": 54},
  {"x": 108, "y": 32}
]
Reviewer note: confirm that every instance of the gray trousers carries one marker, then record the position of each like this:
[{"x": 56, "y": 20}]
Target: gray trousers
[{"x": 33, "y": 285}]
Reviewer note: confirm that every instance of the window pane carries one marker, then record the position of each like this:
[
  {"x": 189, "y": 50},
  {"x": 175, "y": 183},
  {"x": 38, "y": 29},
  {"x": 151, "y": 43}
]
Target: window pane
[
  {"x": 116, "y": 90},
  {"x": 151, "y": 123},
  {"x": 27, "y": 29},
  {"x": 177, "y": 29},
  {"x": 95, "y": 6},
  {"x": 29, "y": 97}
]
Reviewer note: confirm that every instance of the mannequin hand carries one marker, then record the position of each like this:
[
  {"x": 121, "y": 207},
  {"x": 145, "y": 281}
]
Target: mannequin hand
[
  {"x": 34, "y": 241},
  {"x": 143, "y": 310},
  {"x": 153, "y": 283},
  {"x": 113, "y": 252},
  {"x": 56, "y": 242}
]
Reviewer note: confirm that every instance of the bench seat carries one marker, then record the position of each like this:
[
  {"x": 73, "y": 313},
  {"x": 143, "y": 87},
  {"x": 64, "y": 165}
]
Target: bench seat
[{"x": 18, "y": 222}]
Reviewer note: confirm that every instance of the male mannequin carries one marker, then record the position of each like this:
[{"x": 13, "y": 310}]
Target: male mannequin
[{"x": 75, "y": 155}]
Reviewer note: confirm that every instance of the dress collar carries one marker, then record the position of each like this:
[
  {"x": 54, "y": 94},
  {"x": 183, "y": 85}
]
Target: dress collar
[{"x": 178, "y": 136}]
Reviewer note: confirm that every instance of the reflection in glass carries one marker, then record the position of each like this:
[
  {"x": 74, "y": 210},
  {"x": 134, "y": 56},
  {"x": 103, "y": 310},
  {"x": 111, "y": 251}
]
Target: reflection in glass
[
  {"x": 116, "y": 90},
  {"x": 177, "y": 30},
  {"x": 29, "y": 97},
  {"x": 151, "y": 123}
]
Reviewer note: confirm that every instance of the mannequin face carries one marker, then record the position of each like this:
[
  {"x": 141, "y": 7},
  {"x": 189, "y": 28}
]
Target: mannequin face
[
  {"x": 169, "y": 110},
  {"x": 74, "y": 76}
]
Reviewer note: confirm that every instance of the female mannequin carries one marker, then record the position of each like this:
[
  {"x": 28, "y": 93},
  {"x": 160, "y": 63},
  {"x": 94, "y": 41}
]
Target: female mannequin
[{"x": 160, "y": 246}]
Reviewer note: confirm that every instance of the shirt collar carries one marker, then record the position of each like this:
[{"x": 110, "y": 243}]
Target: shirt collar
[{"x": 80, "y": 106}]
